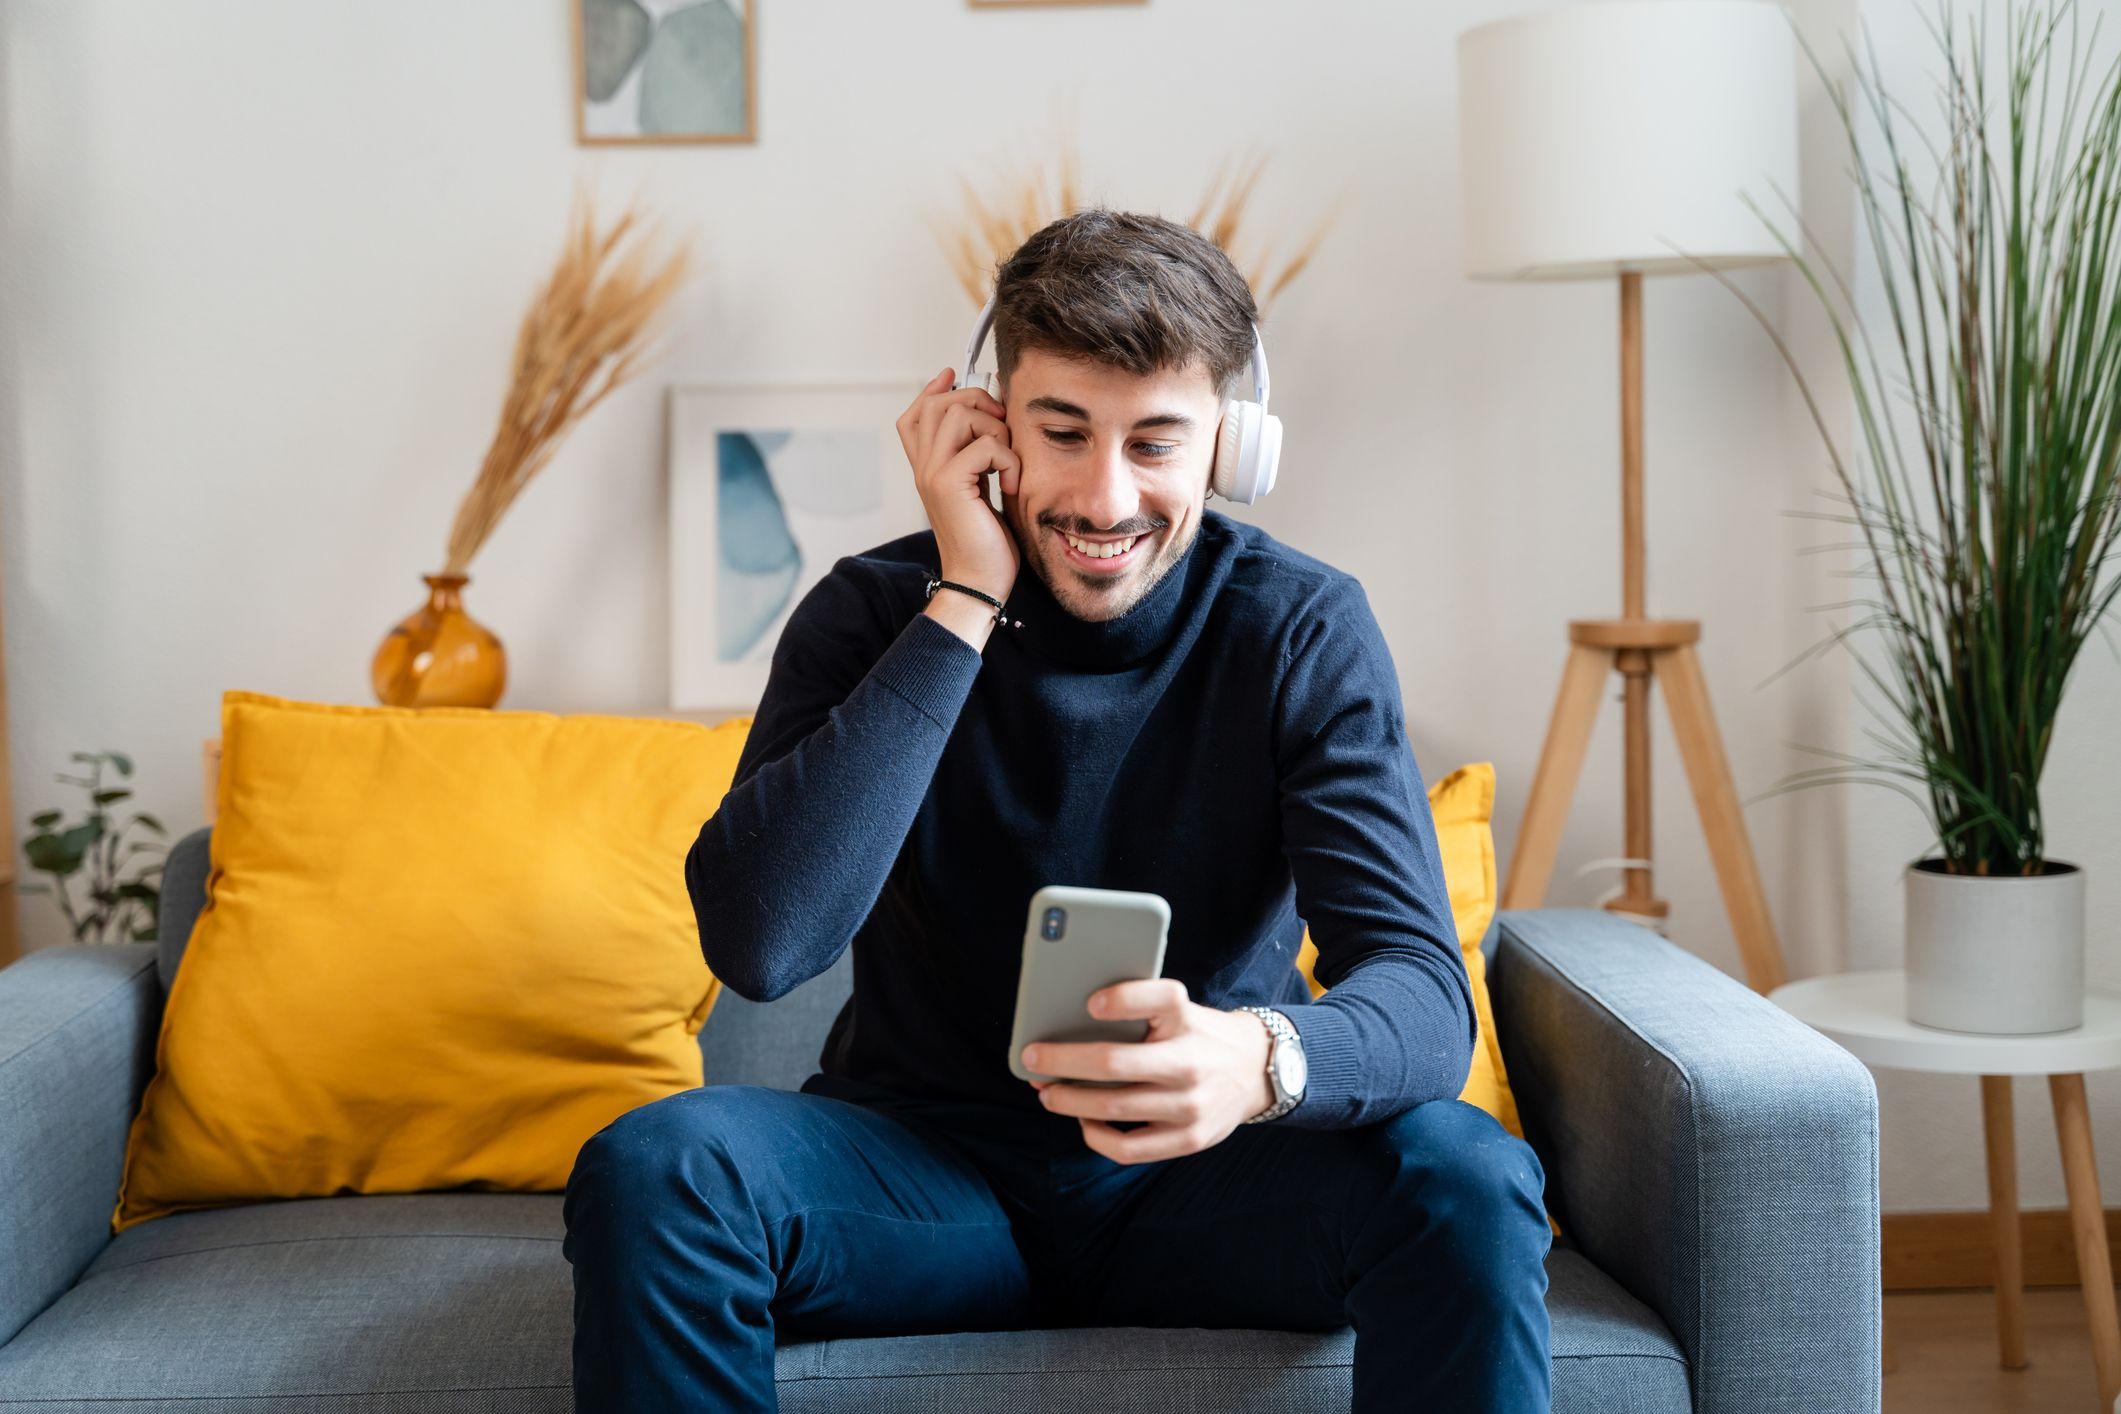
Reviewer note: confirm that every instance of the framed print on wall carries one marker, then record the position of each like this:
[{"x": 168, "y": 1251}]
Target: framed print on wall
[
  {"x": 769, "y": 485},
  {"x": 665, "y": 71}
]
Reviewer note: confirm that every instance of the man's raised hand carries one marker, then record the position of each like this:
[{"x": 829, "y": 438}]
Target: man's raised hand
[{"x": 954, "y": 438}]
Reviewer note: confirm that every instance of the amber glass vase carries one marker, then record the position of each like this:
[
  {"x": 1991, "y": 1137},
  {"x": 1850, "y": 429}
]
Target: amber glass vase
[{"x": 440, "y": 656}]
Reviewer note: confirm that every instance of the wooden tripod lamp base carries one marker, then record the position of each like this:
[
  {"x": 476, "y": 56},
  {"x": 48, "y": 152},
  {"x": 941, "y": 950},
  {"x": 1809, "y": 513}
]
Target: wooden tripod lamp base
[
  {"x": 1637, "y": 649},
  {"x": 1582, "y": 156}
]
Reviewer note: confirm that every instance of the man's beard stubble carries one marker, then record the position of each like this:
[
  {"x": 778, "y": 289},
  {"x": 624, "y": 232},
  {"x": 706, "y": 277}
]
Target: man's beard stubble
[{"x": 1078, "y": 592}]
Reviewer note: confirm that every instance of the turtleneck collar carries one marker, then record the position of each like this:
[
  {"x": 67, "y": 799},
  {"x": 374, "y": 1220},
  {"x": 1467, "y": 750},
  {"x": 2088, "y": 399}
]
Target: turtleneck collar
[{"x": 1051, "y": 632}]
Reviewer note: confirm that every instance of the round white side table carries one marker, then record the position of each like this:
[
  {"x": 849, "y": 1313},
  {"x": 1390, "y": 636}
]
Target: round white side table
[{"x": 1866, "y": 1014}]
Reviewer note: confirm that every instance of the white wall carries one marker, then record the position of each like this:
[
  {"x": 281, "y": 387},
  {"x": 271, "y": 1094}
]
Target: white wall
[{"x": 263, "y": 265}]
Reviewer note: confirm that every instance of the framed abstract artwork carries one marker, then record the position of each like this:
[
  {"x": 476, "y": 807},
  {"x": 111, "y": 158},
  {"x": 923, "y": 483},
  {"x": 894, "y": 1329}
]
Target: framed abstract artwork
[
  {"x": 665, "y": 71},
  {"x": 769, "y": 485}
]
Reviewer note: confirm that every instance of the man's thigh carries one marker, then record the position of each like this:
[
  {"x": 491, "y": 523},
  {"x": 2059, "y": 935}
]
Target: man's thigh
[
  {"x": 852, "y": 1221},
  {"x": 1271, "y": 1227}
]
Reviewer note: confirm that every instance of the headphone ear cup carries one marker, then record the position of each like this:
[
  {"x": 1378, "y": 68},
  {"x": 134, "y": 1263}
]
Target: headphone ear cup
[
  {"x": 1243, "y": 472},
  {"x": 1229, "y": 439},
  {"x": 1269, "y": 454}
]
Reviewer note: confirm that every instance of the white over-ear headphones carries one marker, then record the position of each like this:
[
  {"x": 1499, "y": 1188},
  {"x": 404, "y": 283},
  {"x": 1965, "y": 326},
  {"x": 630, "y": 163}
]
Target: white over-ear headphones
[{"x": 1247, "y": 446}]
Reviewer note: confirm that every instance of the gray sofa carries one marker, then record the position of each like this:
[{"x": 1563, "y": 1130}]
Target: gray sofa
[{"x": 1713, "y": 1165}]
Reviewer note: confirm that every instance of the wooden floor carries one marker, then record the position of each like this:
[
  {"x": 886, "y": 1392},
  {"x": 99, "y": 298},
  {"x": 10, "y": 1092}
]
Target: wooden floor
[{"x": 1943, "y": 1345}]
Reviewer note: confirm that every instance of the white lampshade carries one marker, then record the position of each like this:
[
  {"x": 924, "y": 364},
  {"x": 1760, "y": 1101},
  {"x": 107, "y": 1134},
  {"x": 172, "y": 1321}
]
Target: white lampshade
[{"x": 1592, "y": 134}]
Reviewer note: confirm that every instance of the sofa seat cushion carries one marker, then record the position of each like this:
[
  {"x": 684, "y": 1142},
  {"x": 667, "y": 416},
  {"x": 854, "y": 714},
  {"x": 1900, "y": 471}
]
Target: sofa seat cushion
[
  {"x": 401, "y": 1301},
  {"x": 413, "y": 1302}
]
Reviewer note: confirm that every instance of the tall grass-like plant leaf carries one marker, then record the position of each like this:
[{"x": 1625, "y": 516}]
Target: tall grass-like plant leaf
[{"x": 1992, "y": 530}]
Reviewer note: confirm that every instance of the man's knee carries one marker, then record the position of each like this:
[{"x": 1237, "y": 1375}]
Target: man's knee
[
  {"x": 678, "y": 1145},
  {"x": 1463, "y": 1187}
]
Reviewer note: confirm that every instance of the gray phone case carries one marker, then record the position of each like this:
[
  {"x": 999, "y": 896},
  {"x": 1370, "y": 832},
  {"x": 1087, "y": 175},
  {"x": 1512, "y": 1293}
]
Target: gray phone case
[{"x": 1110, "y": 936}]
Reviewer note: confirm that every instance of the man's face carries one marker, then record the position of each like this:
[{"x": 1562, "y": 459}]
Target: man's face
[{"x": 1108, "y": 458}]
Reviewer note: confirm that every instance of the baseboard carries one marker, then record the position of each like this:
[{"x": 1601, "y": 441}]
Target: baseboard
[{"x": 1933, "y": 1251}]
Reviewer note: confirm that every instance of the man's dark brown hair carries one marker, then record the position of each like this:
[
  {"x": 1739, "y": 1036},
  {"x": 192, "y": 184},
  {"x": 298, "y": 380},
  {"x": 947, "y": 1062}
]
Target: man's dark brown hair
[{"x": 1135, "y": 291}]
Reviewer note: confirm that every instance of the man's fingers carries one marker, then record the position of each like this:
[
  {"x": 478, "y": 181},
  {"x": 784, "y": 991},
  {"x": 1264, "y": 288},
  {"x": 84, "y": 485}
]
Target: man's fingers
[
  {"x": 1142, "y": 997},
  {"x": 979, "y": 456},
  {"x": 1156, "y": 1103},
  {"x": 1162, "y": 1061},
  {"x": 909, "y": 420},
  {"x": 956, "y": 421},
  {"x": 933, "y": 405},
  {"x": 939, "y": 410},
  {"x": 1148, "y": 1144},
  {"x": 962, "y": 420}
]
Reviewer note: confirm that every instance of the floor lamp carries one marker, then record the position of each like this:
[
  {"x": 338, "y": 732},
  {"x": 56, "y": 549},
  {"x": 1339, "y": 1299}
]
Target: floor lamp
[{"x": 1613, "y": 140}]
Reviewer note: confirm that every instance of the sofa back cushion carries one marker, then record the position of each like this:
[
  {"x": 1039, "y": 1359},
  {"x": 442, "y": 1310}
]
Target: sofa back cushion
[
  {"x": 440, "y": 947},
  {"x": 744, "y": 1043}
]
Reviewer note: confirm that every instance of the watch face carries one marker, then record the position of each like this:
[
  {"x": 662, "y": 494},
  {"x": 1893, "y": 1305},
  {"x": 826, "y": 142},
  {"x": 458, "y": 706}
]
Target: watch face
[{"x": 1289, "y": 1068}]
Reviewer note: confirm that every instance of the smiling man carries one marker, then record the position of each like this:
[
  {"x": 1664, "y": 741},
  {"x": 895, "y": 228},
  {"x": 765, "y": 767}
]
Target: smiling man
[
  {"x": 1180, "y": 704},
  {"x": 1100, "y": 571}
]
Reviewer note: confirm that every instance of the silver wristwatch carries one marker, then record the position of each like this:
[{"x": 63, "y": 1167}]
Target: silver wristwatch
[{"x": 1285, "y": 1064}]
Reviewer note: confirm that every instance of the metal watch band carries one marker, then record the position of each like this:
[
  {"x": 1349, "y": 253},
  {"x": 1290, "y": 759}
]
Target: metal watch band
[
  {"x": 1284, "y": 1034},
  {"x": 980, "y": 594}
]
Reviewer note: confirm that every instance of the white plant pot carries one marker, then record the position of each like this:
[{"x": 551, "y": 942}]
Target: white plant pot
[{"x": 1995, "y": 954}]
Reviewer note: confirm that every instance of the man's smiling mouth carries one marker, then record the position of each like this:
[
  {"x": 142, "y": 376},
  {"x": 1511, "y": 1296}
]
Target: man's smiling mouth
[{"x": 1106, "y": 556}]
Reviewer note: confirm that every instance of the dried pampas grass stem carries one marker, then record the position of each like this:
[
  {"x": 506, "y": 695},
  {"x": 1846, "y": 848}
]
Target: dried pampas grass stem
[
  {"x": 990, "y": 229},
  {"x": 586, "y": 332}
]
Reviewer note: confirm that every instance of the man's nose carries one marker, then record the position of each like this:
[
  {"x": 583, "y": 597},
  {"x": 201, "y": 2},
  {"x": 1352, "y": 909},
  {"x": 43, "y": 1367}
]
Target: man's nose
[{"x": 1111, "y": 497}]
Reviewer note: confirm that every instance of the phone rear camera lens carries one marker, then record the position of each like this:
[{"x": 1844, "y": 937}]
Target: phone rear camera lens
[{"x": 1053, "y": 924}]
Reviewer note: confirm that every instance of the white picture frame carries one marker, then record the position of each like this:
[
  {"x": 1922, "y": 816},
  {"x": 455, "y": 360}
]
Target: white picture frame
[{"x": 811, "y": 472}]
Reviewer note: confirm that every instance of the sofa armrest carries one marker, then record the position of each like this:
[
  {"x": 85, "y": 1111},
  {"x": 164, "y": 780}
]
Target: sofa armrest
[
  {"x": 1712, "y": 1154},
  {"x": 77, "y": 1043}
]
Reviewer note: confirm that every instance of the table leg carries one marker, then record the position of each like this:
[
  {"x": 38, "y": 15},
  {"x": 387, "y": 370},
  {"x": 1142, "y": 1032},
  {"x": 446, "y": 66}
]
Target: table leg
[
  {"x": 2080, "y": 1173},
  {"x": 2003, "y": 1213}
]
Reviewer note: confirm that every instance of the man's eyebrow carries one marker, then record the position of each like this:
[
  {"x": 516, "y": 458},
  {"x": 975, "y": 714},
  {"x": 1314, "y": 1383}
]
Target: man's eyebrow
[{"x": 1068, "y": 409}]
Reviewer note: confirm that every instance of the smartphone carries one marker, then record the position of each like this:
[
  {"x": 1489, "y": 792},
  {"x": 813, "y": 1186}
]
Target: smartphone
[{"x": 1077, "y": 940}]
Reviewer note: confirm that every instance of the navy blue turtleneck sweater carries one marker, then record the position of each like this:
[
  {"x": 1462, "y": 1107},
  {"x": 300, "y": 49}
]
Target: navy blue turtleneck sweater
[{"x": 1235, "y": 742}]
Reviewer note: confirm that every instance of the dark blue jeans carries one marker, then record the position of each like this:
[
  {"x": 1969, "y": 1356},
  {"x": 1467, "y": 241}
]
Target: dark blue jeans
[{"x": 706, "y": 1224}]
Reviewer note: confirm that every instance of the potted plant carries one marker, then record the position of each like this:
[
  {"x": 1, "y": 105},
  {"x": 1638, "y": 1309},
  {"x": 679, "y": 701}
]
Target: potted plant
[
  {"x": 1985, "y": 494},
  {"x": 117, "y": 909}
]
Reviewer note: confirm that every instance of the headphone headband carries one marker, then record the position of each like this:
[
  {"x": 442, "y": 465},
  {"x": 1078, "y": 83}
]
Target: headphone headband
[{"x": 986, "y": 321}]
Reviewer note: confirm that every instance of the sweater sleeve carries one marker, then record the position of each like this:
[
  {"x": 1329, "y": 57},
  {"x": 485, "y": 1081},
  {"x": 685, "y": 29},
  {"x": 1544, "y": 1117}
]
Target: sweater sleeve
[
  {"x": 1396, "y": 1025},
  {"x": 838, "y": 759}
]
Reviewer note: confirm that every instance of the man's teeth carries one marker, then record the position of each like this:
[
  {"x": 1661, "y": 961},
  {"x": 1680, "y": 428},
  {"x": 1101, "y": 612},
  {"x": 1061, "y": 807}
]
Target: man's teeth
[{"x": 1102, "y": 552}]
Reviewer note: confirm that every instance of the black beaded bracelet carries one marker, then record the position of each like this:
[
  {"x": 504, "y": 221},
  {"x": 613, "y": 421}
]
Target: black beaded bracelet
[{"x": 980, "y": 594}]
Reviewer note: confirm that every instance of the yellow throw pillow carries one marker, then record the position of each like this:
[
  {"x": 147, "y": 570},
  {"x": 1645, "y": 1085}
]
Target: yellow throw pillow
[
  {"x": 441, "y": 947},
  {"x": 1464, "y": 806}
]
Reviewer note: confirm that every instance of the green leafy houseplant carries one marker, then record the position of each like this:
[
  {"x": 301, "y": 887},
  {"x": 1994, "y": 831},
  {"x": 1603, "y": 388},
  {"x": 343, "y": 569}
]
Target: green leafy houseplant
[
  {"x": 1992, "y": 541},
  {"x": 63, "y": 851}
]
